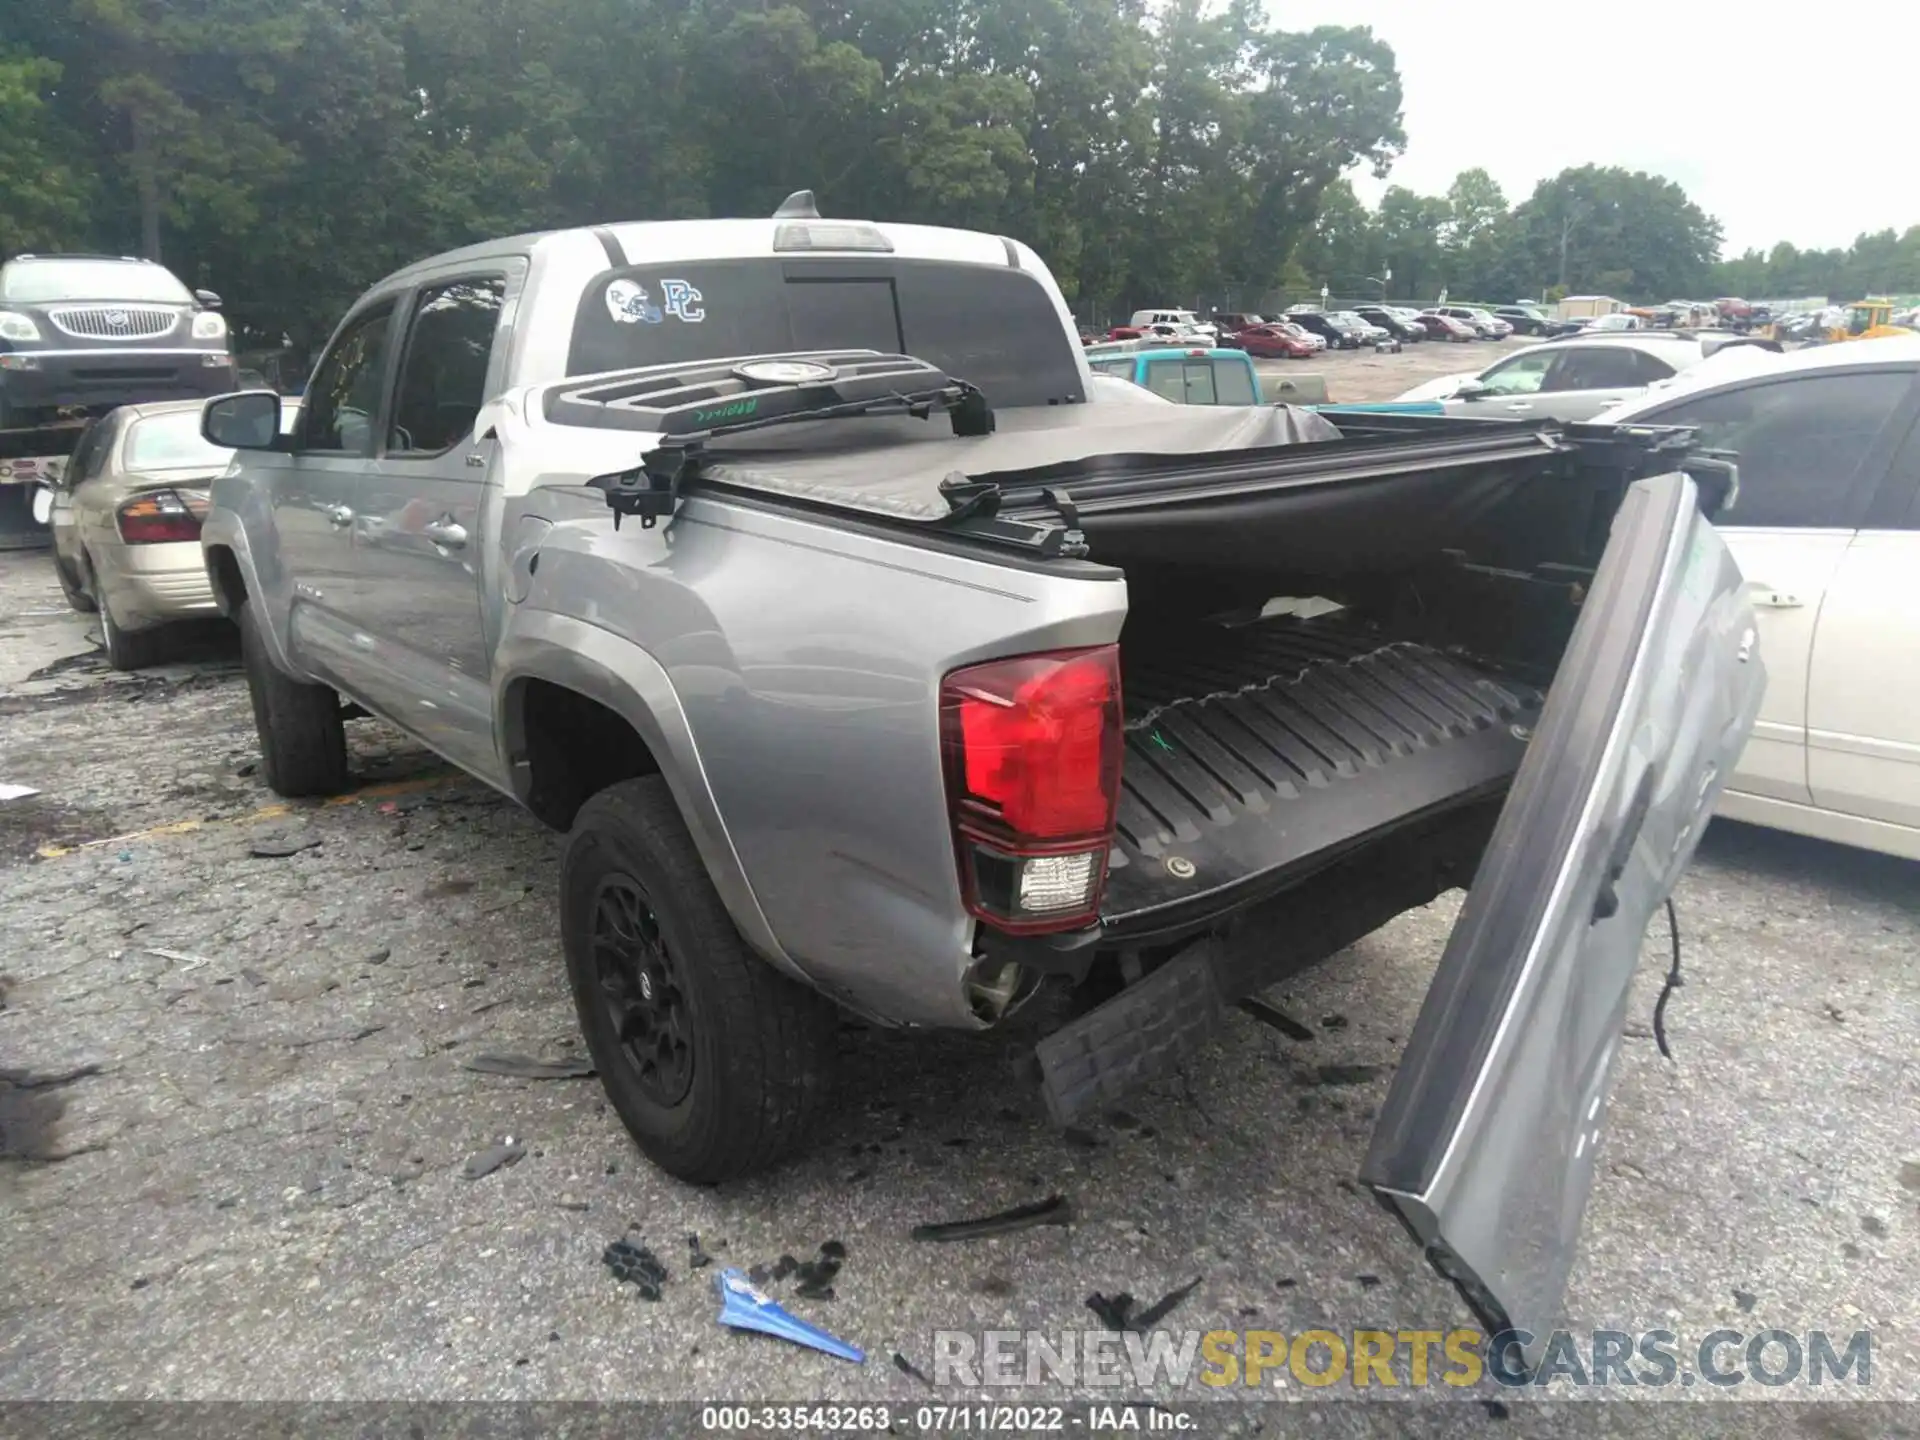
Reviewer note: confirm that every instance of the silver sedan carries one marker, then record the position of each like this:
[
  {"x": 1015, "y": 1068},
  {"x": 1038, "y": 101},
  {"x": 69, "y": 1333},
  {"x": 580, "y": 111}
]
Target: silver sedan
[{"x": 126, "y": 526}]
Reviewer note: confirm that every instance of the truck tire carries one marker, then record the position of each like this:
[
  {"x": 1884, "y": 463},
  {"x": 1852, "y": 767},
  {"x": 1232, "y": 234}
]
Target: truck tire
[
  {"x": 131, "y": 650},
  {"x": 716, "y": 1062},
  {"x": 303, "y": 736}
]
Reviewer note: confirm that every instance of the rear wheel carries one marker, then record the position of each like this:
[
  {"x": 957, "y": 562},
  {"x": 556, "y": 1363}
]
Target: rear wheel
[
  {"x": 303, "y": 735},
  {"x": 717, "y": 1064},
  {"x": 130, "y": 649}
]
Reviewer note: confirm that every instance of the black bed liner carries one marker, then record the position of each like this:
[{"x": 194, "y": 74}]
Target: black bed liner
[{"x": 1258, "y": 754}]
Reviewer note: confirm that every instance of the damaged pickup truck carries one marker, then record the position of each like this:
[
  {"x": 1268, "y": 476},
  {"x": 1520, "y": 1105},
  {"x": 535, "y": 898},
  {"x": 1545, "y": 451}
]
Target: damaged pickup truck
[{"x": 873, "y": 654}]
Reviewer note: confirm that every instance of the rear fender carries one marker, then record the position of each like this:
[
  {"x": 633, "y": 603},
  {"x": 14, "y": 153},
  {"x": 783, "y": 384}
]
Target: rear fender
[{"x": 596, "y": 663}]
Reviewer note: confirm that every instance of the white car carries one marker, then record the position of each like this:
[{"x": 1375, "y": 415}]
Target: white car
[
  {"x": 1573, "y": 379},
  {"x": 1826, "y": 528},
  {"x": 1179, "y": 319}
]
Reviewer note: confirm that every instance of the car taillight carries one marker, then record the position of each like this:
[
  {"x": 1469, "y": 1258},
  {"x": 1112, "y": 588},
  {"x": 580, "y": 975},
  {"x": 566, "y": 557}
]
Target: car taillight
[
  {"x": 1032, "y": 753},
  {"x": 159, "y": 517}
]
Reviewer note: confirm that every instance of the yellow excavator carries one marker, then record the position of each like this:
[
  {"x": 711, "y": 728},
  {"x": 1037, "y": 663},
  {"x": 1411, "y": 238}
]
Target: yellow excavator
[{"x": 1868, "y": 319}]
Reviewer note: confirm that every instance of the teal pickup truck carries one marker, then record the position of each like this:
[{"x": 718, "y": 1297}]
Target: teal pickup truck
[
  {"x": 1196, "y": 376},
  {"x": 1200, "y": 376}
]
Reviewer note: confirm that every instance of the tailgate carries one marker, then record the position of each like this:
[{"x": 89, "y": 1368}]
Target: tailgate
[{"x": 1487, "y": 1143}]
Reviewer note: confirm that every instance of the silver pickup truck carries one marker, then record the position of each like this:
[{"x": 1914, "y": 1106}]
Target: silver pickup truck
[{"x": 873, "y": 654}]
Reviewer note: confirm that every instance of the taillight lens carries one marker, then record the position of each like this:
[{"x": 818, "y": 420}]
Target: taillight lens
[
  {"x": 1032, "y": 750},
  {"x": 160, "y": 517}
]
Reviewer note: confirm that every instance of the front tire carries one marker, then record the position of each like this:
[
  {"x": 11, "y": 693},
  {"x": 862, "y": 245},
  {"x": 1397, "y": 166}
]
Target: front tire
[
  {"x": 717, "y": 1064},
  {"x": 303, "y": 736},
  {"x": 70, "y": 587}
]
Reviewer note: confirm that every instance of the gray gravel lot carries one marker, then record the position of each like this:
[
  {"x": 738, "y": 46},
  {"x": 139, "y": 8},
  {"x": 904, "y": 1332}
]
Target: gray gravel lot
[{"x": 258, "y": 1193}]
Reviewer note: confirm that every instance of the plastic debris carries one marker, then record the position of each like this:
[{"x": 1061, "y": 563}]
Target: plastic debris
[
  {"x": 494, "y": 1158},
  {"x": 278, "y": 844},
  {"x": 743, "y": 1307},
  {"x": 1274, "y": 1016},
  {"x": 697, "y": 1259},
  {"x": 907, "y": 1367},
  {"x": 1345, "y": 1074},
  {"x": 525, "y": 1067},
  {"x": 636, "y": 1265},
  {"x": 181, "y": 958},
  {"x": 16, "y": 792},
  {"x": 1054, "y": 1210},
  {"x": 1116, "y": 1312}
]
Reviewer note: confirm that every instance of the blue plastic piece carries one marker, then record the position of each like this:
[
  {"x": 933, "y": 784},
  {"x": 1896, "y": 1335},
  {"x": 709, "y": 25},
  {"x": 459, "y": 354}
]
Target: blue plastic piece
[{"x": 744, "y": 1307}]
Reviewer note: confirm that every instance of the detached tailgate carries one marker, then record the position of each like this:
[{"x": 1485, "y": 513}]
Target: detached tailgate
[{"x": 1487, "y": 1143}]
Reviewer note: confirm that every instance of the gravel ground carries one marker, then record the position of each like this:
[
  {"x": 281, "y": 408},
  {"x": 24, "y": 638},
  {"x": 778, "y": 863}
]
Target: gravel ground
[
  {"x": 1356, "y": 375},
  {"x": 252, "y": 1185}
]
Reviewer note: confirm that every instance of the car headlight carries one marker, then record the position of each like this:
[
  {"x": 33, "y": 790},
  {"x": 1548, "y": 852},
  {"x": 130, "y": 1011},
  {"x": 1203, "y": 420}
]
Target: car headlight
[
  {"x": 207, "y": 325},
  {"x": 15, "y": 326}
]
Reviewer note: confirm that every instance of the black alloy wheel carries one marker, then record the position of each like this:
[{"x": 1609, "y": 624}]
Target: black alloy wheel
[{"x": 642, "y": 989}]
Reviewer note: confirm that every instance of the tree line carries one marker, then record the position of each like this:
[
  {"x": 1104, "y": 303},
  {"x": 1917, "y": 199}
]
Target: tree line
[
  {"x": 288, "y": 152},
  {"x": 1587, "y": 230}
]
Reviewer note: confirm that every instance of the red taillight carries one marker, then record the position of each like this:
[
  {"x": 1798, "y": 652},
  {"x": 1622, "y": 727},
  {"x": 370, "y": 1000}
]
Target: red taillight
[
  {"x": 1032, "y": 749},
  {"x": 159, "y": 517}
]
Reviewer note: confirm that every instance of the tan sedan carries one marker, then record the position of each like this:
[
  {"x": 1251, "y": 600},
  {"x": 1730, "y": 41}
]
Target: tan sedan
[{"x": 126, "y": 526}]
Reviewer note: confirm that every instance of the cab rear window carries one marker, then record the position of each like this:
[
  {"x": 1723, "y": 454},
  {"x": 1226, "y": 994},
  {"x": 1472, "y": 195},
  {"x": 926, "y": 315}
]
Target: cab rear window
[
  {"x": 1201, "y": 382},
  {"x": 992, "y": 326}
]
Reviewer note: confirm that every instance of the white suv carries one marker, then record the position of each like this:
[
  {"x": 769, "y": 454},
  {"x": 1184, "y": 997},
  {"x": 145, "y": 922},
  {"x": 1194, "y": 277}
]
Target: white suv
[{"x": 1185, "y": 319}]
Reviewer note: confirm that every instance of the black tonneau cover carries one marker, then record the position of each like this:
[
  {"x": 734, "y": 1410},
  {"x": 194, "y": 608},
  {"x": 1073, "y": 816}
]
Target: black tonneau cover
[{"x": 895, "y": 465}]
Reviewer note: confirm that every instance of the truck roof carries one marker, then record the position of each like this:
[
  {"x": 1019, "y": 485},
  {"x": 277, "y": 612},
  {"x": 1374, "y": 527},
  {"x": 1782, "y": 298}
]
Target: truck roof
[{"x": 641, "y": 242}]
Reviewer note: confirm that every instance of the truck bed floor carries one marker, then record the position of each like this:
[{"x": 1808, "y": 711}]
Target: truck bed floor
[{"x": 1256, "y": 754}]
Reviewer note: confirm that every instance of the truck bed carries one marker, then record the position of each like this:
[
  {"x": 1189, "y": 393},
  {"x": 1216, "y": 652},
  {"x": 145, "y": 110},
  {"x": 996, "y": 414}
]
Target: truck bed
[{"x": 1257, "y": 754}]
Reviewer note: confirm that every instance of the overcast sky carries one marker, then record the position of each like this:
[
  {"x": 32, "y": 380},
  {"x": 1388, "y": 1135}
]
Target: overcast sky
[{"x": 1786, "y": 121}]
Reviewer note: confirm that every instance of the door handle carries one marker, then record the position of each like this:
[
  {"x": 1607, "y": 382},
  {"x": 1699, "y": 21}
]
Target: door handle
[
  {"x": 1520, "y": 405},
  {"x": 339, "y": 516},
  {"x": 446, "y": 534},
  {"x": 1765, "y": 597}
]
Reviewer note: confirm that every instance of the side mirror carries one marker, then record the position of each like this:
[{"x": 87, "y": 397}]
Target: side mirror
[
  {"x": 247, "y": 421},
  {"x": 1473, "y": 390},
  {"x": 207, "y": 298},
  {"x": 42, "y": 505}
]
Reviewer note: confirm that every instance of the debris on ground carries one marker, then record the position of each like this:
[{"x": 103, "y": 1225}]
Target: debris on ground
[
  {"x": 495, "y": 1157},
  {"x": 907, "y": 1367},
  {"x": 525, "y": 1067},
  {"x": 252, "y": 976},
  {"x": 813, "y": 1279},
  {"x": 1116, "y": 1312},
  {"x": 1345, "y": 1074},
  {"x": 743, "y": 1307},
  {"x": 1054, "y": 1210},
  {"x": 279, "y": 844},
  {"x": 635, "y": 1265},
  {"x": 1274, "y": 1016},
  {"x": 697, "y": 1259},
  {"x": 181, "y": 958},
  {"x": 16, "y": 792}
]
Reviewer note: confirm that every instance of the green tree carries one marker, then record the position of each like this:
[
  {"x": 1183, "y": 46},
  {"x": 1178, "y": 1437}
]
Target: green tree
[
  {"x": 44, "y": 195},
  {"x": 1638, "y": 233},
  {"x": 1413, "y": 241}
]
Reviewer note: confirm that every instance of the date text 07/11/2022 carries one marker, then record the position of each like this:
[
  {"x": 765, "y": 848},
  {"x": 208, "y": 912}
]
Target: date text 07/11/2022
[{"x": 983, "y": 1419}]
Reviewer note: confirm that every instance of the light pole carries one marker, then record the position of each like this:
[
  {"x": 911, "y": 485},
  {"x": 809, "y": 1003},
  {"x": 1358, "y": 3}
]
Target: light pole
[{"x": 1381, "y": 280}]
